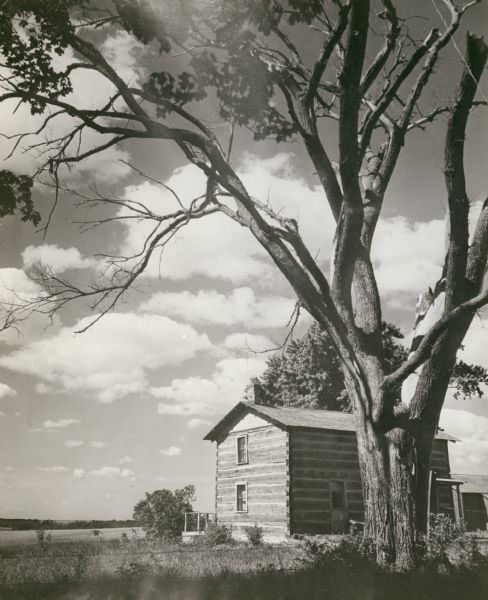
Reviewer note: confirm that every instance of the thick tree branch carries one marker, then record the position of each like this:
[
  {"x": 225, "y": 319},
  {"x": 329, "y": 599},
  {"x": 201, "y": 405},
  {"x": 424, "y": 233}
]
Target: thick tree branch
[{"x": 457, "y": 198}]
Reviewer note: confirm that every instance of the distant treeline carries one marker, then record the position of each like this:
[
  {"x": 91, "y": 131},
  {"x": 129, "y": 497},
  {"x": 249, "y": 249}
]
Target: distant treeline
[{"x": 25, "y": 524}]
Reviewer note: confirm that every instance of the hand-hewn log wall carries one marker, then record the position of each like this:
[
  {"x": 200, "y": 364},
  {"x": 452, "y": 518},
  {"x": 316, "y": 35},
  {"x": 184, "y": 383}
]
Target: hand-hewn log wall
[
  {"x": 316, "y": 458},
  {"x": 266, "y": 475}
]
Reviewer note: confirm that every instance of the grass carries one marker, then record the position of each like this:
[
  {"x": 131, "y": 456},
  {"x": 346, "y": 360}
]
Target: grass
[
  {"x": 54, "y": 562},
  {"x": 137, "y": 569}
]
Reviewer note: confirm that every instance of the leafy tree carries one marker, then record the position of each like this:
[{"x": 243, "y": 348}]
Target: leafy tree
[
  {"x": 16, "y": 197},
  {"x": 281, "y": 69},
  {"x": 162, "y": 512},
  {"x": 308, "y": 375}
]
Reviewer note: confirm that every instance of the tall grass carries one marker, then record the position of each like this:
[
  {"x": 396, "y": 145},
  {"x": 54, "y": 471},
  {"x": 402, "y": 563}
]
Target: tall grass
[{"x": 50, "y": 562}]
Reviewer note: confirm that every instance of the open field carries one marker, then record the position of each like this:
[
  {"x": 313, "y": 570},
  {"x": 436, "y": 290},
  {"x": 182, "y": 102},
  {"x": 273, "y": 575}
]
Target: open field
[
  {"x": 9, "y": 537},
  {"x": 91, "y": 558}
]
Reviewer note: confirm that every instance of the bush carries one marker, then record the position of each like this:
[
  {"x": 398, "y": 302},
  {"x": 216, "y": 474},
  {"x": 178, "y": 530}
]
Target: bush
[
  {"x": 162, "y": 513},
  {"x": 350, "y": 551},
  {"x": 448, "y": 547},
  {"x": 217, "y": 534},
  {"x": 255, "y": 535}
]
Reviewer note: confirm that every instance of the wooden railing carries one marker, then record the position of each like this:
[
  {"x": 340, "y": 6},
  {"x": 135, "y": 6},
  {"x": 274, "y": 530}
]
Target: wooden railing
[{"x": 197, "y": 522}]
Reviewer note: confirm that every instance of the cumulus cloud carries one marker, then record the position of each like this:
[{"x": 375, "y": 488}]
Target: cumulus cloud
[
  {"x": 6, "y": 391},
  {"x": 103, "y": 473},
  {"x": 2, "y": 414},
  {"x": 172, "y": 451},
  {"x": 56, "y": 258},
  {"x": 110, "y": 360},
  {"x": 16, "y": 289},
  {"x": 73, "y": 443},
  {"x": 200, "y": 396},
  {"x": 56, "y": 469},
  {"x": 408, "y": 256},
  {"x": 126, "y": 460},
  {"x": 470, "y": 455},
  {"x": 240, "y": 307},
  {"x": 124, "y": 53},
  {"x": 246, "y": 344},
  {"x": 99, "y": 445},
  {"x": 59, "y": 423},
  {"x": 111, "y": 473},
  {"x": 196, "y": 422}
]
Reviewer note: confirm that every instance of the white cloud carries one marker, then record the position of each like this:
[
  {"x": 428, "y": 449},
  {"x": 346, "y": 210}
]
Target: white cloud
[
  {"x": 2, "y": 414},
  {"x": 58, "y": 259},
  {"x": 247, "y": 344},
  {"x": 408, "y": 256},
  {"x": 6, "y": 391},
  {"x": 56, "y": 469},
  {"x": 126, "y": 460},
  {"x": 9, "y": 469},
  {"x": 78, "y": 473},
  {"x": 241, "y": 306},
  {"x": 123, "y": 51},
  {"x": 73, "y": 443},
  {"x": 172, "y": 451},
  {"x": 109, "y": 360},
  {"x": 42, "y": 388},
  {"x": 111, "y": 473},
  {"x": 470, "y": 455},
  {"x": 59, "y": 423},
  {"x": 99, "y": 444},
  {"x": 17, "y": 289},
  {"x": 196, "y": 422},
  {"x": 200, "y": 396}
]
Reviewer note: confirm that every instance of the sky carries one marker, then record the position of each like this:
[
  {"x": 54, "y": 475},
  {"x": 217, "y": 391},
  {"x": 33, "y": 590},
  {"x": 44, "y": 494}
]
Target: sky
[{"x": 91, "y": 421}]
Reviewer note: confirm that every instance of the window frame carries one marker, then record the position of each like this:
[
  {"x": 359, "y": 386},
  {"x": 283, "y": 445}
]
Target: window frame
[
  {"x": 241, "y": 484},
  {"x": 344, "y": 489},
  {"x": 246, "y": 438}
]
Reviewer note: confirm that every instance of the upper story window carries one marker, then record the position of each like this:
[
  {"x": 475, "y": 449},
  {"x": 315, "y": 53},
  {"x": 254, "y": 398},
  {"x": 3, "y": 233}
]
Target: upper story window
[
  {"x": 242, "y": 450},
  {"x": 337, "y": 494}
]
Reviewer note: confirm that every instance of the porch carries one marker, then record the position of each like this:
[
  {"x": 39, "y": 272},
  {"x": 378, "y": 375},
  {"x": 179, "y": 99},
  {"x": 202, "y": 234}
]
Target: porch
[{"x": 196, "y": 524}]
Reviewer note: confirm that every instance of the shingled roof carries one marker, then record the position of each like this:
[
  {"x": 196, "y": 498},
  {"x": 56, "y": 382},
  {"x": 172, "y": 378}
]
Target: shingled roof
[
  {"x": 477, "y": 484},
  {"x": 293, "y": 418}
]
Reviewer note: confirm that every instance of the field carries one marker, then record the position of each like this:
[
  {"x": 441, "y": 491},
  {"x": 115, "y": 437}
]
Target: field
[
  {"x": 10, "y": 537},
  {"x": 120, "y": 564},
  {"x": 80, "y": 555}
]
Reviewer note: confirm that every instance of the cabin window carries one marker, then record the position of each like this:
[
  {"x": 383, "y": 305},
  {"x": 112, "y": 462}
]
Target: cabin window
[
  {"x": 338, "y": 494},
  {"x": 242, "y": 450},
  {"x": 241, "y": 497}
]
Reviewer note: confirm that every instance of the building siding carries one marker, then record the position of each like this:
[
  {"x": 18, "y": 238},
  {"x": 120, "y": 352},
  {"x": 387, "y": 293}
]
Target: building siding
[
  {"x": 288, "y": 477},
  {"x": 316, "y": 459},
  {"x": 266, "y": 476}
]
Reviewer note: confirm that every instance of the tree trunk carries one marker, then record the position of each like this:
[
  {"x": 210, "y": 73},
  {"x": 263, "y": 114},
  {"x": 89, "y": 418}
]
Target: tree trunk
[{"x": 386, "y": 471}]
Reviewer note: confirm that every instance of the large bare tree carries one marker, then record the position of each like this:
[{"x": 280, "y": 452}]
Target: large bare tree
[{"x": 280, "y": 68}]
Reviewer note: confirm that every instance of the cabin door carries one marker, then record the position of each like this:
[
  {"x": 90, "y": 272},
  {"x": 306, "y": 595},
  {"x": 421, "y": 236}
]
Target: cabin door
[{"x": 339, "y": 517}]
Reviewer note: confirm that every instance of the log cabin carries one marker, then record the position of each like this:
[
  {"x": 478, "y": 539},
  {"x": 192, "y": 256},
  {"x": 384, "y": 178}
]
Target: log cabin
[{"x": 295, "y": 471}]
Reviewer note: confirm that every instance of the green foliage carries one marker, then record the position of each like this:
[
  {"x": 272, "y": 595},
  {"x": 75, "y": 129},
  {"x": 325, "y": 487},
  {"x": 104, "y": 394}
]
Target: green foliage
[
  {"x": 15, "y": 197},
  {"x": 218, "y": 534},
  {"x": 162, "y": 512},
  {"x": 254, "y": 534}
]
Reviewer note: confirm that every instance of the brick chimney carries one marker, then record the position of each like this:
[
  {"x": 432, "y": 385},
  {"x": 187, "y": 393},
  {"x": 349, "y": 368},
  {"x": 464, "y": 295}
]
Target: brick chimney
[{"x": 253, "y": 393}]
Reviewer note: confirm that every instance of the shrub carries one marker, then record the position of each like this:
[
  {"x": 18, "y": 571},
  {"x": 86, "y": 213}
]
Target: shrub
[
  {"x": 350, "y": 551},
  {"x": 255, "y": 535},
  {"x": 162, "y": 513},
  {"x": 217, "y": 534}
]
